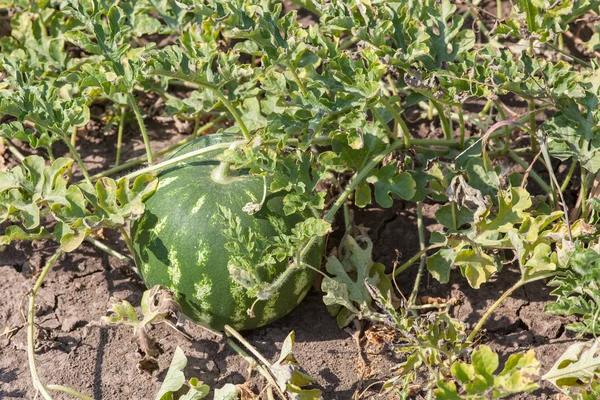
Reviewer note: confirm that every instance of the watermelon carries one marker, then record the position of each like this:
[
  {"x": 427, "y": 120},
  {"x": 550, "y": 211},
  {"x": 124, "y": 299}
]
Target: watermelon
[{"x": 179, "y": 242}]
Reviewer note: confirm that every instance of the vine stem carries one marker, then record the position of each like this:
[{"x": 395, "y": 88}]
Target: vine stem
[
  {"x": 144, "y": 158},
  {"x": 567, "y": 180},
  {"x": 126, "y": 238},
  {"x": 68, "y": 390},
  {"x": 261, "y": 369},
  {"x": 37, "y": 384},
  {"x": 399, "y": 121},
  {"x": 533, "y": 174},
  {"x": 175, "y": 160},
  {"x": 140, "y": 121},
  {"x": 217, "y": 92},
  {"x": 120, "y": 136},
  {"x": 584, "y": 193},
  {"x": 359, "y": 177},
  {"x": 461, "y": 121},
  {"x": 15, "y": 152},
  {"x": 532, "y": 126},
  {"x": 75, "y": 154},
  {"x": 421, "y": 230},
  {"x": 491, "y": 310},
  {"x": 414, "y": 258},
  {"x": 446, "y": 127},
  {"x": 288, "y": 63},
  {"x": 107, "y": 249},
  {"x": 265, "y": 369}
]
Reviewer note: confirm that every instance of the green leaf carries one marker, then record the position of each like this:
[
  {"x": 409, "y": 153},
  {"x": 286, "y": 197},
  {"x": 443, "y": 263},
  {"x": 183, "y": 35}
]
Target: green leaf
[
  {"x": 197, "y": 390},
  {"x": 81, "y": 40},
  {"x": 350, "y": 273},
  {"x": 579, "y": 365},
  {"x": 511, "y": 210},
  {"x": 476, "y": 266},
  {"x": 362, "y": 196},
  {"x": 124, "y": 313},
  {"x": 446, "y": 391},
  {"x": 462, "y": 216},
  {"x": 290, "y": 378},
  {"x": 439, "y": 264},
  {"x": 541, "y": 264},
  {"x": 297, "y": 393},
  {"x": 519, "y": 375},
  {"x": 462, "y": 371},
  {"x": 15, "y": 232},
  {"x": 387, "y": 180},
  {"x": 485, "y": 362},
  {"x": 577, "y": 290},
  {"x": 174, "y": 379},
  {"x": 227, "y": 392}
]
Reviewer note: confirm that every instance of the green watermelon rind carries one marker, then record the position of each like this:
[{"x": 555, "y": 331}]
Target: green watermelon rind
[{"x": 178, "y": 242}]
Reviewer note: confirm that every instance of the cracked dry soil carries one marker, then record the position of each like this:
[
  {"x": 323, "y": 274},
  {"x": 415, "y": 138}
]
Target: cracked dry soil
[{"x": 101, "y": 361}]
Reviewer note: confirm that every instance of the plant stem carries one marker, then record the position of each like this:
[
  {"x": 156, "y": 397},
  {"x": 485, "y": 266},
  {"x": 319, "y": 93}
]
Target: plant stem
[
  {"x": 584, "y": 193},
  {"x": 265, "y": 372},
  {"x": 37, "y": 384},
  {"x": 486, "y": 108},
  {"x": 171, "y": 161},
  {"x": 261, "y": 369},
  {"x": 74, "y": 136},
  {"x": 232, "y": 332},
  {"x": 567, "y": 180},
  {"x": 217, "y": 92},
  {"x": 15, "y": 152},
  {"x": 398, "y": 119},
  {"x": 491, "y": 310},
  {"x": 75, "y": 154},
  {"x": 430, "y": 110},
  {"x": 288, "y": 63},
  {"x": 414, "y": 258},
  {"x": 554, "y": 181},
  {"x": 421, "y": 230},
  {"x": 532, "y": 126},
  {"x": 50, "y": 153},
  {"x": 430, "y": 306},
  {"x": 461, "y": 121},
  {"x": 454, "y": 217},
  {"x": 143, "y": 158},
  {"x": 506, "y": 129},
  {"x": 120, "y": 136},
  {"x": 68, "y": 390},
  {"x": 379, "y": 118},
  {"x": 127, "y": 239},
  {"x": 140, "y": 121},
  {"x": 446, "y": 126},
  {"x": 532, "y": 173},
  {"x": 107, "y": 249}
]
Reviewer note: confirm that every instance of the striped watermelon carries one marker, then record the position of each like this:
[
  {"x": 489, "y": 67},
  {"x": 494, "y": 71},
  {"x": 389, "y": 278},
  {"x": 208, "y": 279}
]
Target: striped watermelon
[{"x": 179, "y": 243}]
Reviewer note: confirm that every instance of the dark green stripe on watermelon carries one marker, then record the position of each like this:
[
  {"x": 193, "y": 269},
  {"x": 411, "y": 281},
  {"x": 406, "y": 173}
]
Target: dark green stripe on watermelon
[{"x": 179, "y": 242}]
